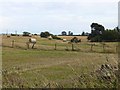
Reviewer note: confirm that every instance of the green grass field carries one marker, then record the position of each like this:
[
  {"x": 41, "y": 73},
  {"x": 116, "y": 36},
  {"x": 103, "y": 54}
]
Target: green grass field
[{"x": 44, "y": 67}]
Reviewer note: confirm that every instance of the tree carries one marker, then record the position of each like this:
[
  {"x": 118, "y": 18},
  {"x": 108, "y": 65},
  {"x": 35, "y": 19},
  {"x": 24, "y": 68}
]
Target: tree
[
  {"x": 105, "y": 35},
  {"x": 97, "y": 38},
  {"x": 64, "y": 33},
  {"x": 45, "y": 34},
  {"x": 110, "y": 35},
  {"x": 70, "y": 33},
  {"x": 55, "y": 37},
  {"x": 26, "y": 33},
  {"x": 96, "y": 30},
  {"x": 83, "y": 34},
  {"x": 98, "y": 33},
  {"x": 117, "y": 29}
]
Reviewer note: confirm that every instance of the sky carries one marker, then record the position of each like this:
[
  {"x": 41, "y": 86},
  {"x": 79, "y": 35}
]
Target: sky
[
  {"x": 55, "y": 16},
  {"x": 119, "y": 14}
]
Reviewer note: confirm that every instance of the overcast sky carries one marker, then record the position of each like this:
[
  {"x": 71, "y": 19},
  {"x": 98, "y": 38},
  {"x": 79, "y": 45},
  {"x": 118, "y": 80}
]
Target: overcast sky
[{"x": 55, "y": 16}]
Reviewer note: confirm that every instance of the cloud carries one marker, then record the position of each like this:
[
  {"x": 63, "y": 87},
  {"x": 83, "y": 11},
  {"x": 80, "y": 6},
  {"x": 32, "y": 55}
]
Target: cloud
[
  {"x": 59, "y": 0},
  {"x": 4, "y": 22},
  {"x": 56, "y": 15}
]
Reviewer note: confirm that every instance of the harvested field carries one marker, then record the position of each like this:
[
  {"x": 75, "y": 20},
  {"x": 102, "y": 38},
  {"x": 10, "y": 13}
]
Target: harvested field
[{"x": 44, "y": 67}]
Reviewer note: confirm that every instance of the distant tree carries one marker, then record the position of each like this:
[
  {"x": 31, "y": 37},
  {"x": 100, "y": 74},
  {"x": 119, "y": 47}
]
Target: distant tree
[
  {"x": 110, "y": 35},
  {"x": 117, "y": 29},
  {"x": 96, "y": 30},
  {"x": 83, "y": 34},
  {"x": 45, "y": 34},
  {"x": 35, "y": 34},
  {"x": 13, "y": 34},
  {"x": 55, "y": 37},
  {"x": 64, "y": 33},
  {"x": 70, "y": 33},
  {"x": 97, "y": 38},
  {"x": 98, "y": 34},
  {"x": 87, "y": 34},
  {"x": 26, "y": 33}
]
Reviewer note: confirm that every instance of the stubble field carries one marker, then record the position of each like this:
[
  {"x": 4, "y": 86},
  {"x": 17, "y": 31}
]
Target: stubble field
[{"x": 45, "y": 67}]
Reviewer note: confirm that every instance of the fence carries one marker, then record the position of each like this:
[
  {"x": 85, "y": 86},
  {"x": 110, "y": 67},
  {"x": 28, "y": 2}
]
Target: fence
[{"x": 44, "y": 44}]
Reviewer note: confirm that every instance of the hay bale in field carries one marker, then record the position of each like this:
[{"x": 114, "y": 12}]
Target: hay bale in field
[
  {"x": 30, "y": 35},
  {"x": 64, "y": 40},
  {"x": 50, "y": 38},
  {"x": 32, "y": 40}
]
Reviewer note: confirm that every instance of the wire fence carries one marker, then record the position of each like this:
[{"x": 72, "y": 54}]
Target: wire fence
[{"x": 105, "y": 47}]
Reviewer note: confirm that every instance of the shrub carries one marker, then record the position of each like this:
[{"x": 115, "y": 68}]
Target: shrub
[
  {"x": 96, "y": 39},
  {"x": 26, "y": 33},
  {"x": 55, "y": 37},
  {"x": 45, "y": 34},
  {"x": 107, "y": 35},
  {"x": 13, "y": 34},
  {"x": 75, "y": 40},
  {"x": 110, "y": 35}
]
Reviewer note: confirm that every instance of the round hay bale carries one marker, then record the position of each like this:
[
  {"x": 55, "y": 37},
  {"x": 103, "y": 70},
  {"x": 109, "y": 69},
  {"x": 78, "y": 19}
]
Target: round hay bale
[
  {"x": 64, "y": 40},
  {"x": 32, "y": 40}
]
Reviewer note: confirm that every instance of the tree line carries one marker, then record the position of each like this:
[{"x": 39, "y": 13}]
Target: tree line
[{"x": 99, "y": 34}]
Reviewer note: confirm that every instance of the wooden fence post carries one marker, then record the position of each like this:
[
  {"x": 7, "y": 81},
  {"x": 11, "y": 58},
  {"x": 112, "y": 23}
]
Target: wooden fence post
[
  {"x": 103, "y": 47},
  {"x": 66, "y": 48},
  {"x": 13, "y": 42},
  {"x": 116, "y": 48},
  {"x": 27, "y": 43},
  {"x": 72, "y": 47},
  {"x": 55, "y": 46},
  {"x": 91, "y": 47}
]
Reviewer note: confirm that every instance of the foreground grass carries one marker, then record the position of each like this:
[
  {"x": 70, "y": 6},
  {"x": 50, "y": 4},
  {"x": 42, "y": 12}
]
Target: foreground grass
[{"x": 39, "y": 68}]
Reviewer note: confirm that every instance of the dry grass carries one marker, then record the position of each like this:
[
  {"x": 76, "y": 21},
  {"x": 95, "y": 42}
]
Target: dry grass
[
  {"x": 45, "y": 44},
  {"x": 45, "y": 67},
  {"x": 83, "y": 38}
]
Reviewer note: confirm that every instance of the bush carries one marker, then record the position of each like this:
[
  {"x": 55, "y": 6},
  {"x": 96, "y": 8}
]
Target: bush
[
  {"x": 26, "y": 33},
  {"x": 107, "y": 35},
  {"x": 13, "y": 34},
  {"x": 75, "y": 40},
  {"x": 55, "y": 37},
  {"x": 35, "y": 34},
  {"x": 96, "y": 39},
  {"x": 110, "y": 35},
  {"x": 45, "y": 34}
]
